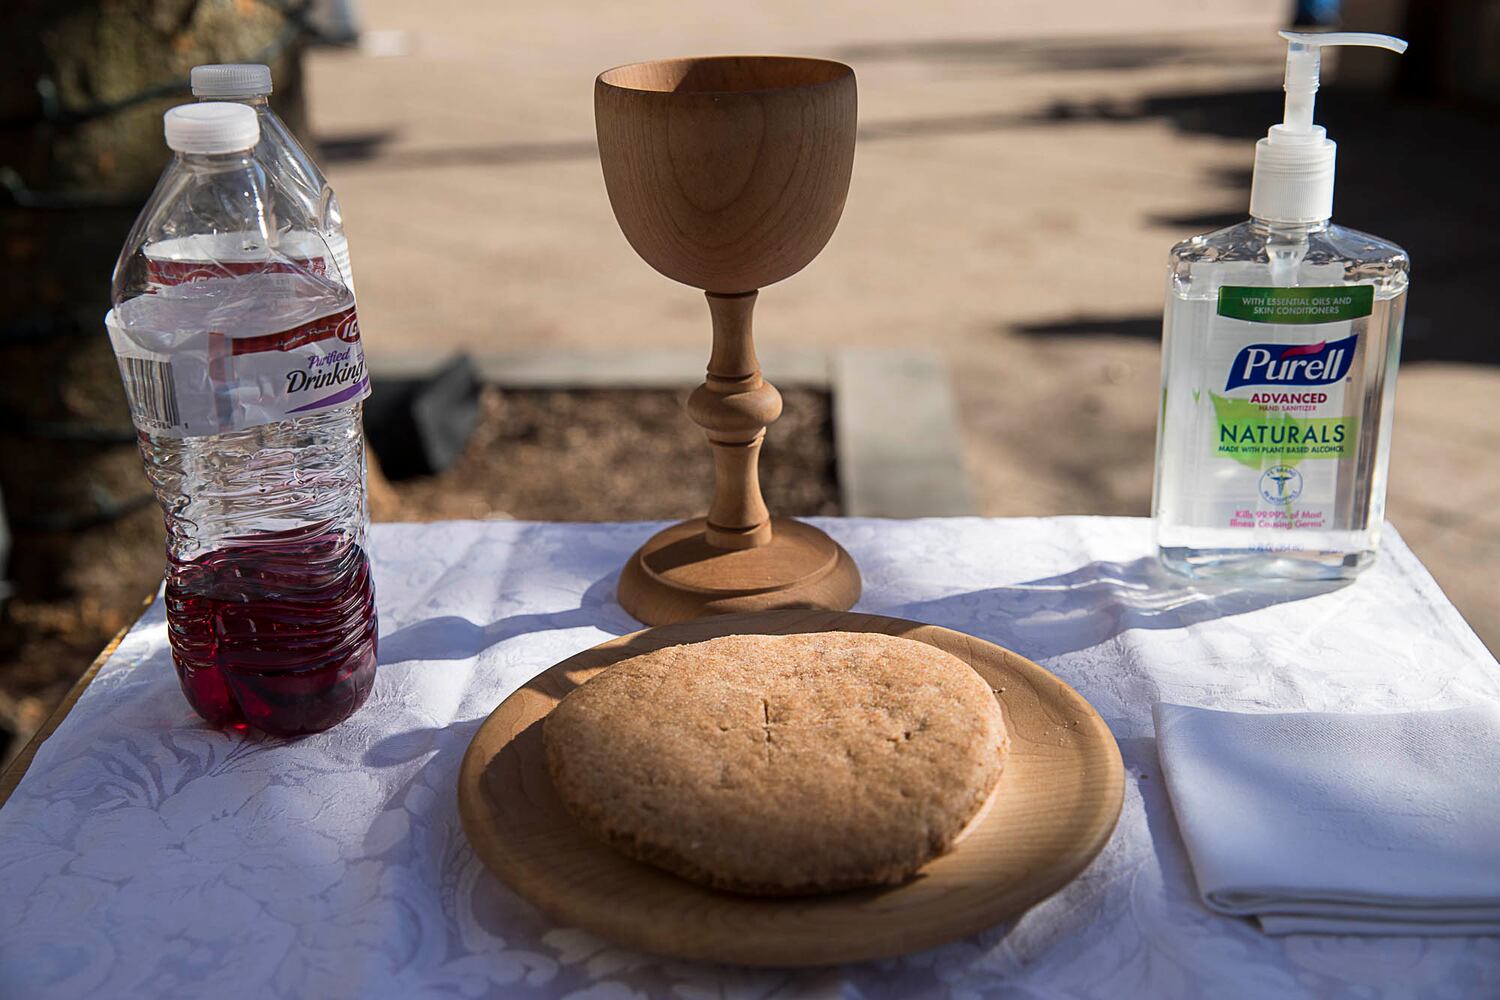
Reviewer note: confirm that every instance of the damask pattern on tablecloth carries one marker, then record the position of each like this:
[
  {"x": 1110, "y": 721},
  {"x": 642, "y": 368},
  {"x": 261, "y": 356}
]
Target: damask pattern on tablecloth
[{"x": 147, "y": 855}]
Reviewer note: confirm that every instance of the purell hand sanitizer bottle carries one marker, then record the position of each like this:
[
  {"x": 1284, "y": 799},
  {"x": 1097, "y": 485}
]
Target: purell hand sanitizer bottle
[{"x": 1279, "y": 354}]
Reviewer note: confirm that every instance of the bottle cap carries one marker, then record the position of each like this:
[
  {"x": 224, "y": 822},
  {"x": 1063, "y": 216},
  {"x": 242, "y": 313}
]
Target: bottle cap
[
  {"x": 231, "y": 80},
  {"x": 212, "y": 128},
  {"x": 1293, "y": 179}
]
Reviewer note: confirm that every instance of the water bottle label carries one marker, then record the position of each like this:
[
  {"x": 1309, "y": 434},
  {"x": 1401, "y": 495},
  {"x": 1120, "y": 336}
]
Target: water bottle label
[
  {"x": 340, "y": 247},
  {"x": 163, "y": 271},
  {"x": 220, "y": 255},
  {"x": 212, "y": 383}
]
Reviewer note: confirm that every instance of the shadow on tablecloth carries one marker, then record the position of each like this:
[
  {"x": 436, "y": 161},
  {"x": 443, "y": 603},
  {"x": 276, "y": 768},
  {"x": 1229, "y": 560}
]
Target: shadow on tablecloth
[
  {"x": 1094, "y": 603},
  {"x": 451, "y": 637}
]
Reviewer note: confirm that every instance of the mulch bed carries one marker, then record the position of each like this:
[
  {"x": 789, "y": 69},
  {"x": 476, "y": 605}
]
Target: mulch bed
[{"x": 612, "y": 455}]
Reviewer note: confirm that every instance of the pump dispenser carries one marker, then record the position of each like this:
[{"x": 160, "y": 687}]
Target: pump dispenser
[
  {"x": 1293, "y": 180},
  {"x": 1279, "y": 351}
]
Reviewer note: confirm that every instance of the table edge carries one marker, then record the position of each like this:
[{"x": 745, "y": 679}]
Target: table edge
[{"x": 11, "y": 776}]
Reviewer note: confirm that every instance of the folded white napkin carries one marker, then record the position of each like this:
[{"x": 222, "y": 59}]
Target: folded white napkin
[{"x": 1340, "y": 824}]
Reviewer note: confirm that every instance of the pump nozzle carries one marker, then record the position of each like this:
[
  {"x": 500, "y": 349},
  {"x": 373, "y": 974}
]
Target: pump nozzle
[
  {"x": 1304, "y": 55},
  {"x": 1293, "y": 181}
]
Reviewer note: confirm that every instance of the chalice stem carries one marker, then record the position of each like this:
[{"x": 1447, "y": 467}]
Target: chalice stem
[{"x": 734, "y": 405}]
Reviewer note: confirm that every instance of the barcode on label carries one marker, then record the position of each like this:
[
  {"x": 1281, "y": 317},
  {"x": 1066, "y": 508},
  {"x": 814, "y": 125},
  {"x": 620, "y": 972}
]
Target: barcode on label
[{"x": 151, "y": 391}]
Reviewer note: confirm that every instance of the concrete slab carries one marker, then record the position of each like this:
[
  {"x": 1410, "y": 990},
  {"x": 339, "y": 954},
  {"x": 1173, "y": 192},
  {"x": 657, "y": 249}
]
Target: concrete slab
[{"x": 895, "y": 425}]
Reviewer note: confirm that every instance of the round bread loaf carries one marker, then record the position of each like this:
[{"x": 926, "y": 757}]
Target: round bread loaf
[{"x": 779, "y": 765}]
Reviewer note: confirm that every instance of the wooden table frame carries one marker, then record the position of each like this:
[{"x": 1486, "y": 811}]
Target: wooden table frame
[{"x": 16, "y": 769}]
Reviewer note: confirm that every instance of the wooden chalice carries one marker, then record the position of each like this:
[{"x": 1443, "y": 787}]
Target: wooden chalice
[{"x": 729, "y": 174}]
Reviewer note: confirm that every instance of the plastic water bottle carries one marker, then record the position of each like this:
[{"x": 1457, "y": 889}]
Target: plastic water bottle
[
  {"x": 307, "y": 204},
  {"x": 245, "y": 377}
]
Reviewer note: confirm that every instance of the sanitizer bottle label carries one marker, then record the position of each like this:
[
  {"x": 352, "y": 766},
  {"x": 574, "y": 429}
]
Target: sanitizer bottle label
[{"x": 1273, "y": 407}]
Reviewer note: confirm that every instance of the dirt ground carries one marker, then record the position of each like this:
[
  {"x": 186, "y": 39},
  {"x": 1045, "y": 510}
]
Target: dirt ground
[
  {"x": 611, "y": 455},
  {"x": 1022, "y": 170}
]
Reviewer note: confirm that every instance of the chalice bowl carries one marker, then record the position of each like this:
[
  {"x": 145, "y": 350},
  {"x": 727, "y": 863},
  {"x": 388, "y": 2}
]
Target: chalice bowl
[{"x": 729, "y": 174}]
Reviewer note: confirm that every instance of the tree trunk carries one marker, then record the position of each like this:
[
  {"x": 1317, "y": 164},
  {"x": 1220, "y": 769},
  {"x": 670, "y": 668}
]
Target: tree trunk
[{"x": 81, "y": 146}]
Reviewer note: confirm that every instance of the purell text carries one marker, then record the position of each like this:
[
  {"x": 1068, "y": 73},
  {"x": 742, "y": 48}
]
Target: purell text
[{"x": 1292, "y": 364}]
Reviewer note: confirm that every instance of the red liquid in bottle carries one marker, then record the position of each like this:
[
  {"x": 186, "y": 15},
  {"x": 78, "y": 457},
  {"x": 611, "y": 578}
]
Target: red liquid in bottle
[{"x": 275, "y": 630}]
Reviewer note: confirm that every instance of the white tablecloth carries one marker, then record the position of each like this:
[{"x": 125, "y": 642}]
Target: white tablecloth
[{"x": 146, "y": 855}]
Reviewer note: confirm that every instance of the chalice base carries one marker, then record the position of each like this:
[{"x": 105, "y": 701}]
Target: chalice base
[{"x": 677, "y": 575}]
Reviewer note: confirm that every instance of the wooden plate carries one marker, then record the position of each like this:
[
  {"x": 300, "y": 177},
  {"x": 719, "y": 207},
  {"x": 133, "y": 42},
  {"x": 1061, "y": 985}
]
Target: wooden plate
[{"x": 1052, "y": 812}]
